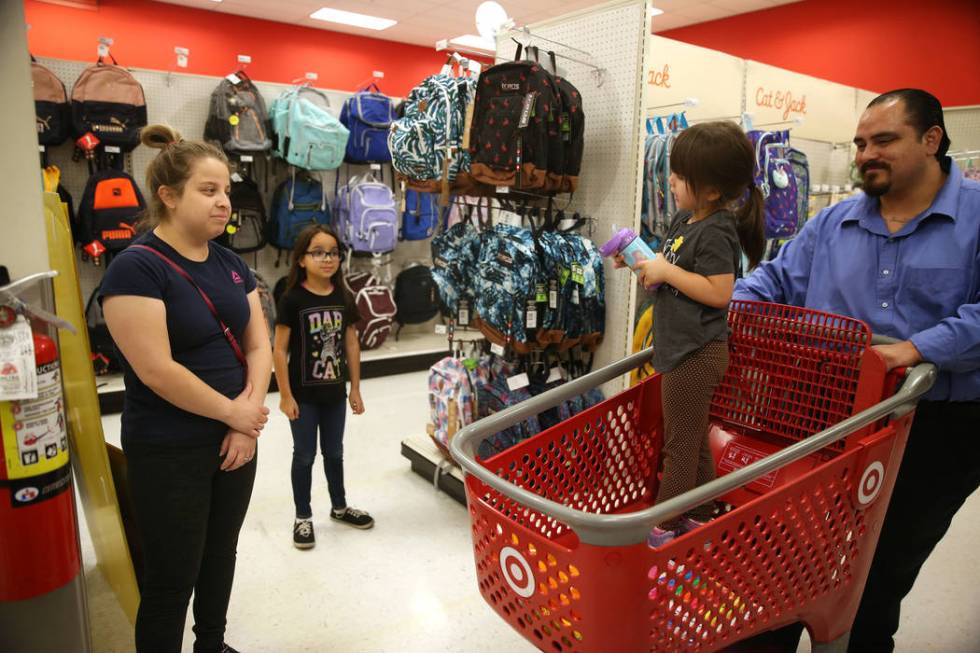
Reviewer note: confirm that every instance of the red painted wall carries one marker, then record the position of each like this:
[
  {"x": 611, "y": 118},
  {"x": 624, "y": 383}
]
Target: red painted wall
[
  {"x": 146, "y": 33},
  {"x": 877, "y": 46}
]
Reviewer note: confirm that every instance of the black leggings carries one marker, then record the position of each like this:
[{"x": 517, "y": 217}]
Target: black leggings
[{"x": 188, "y": 514}]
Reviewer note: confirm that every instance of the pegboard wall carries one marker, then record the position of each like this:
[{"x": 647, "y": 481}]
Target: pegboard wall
[
  {"x": 963, "y": 125},
  {"x": 612, "y": 37},
  {"x": 181, "y": 100}
]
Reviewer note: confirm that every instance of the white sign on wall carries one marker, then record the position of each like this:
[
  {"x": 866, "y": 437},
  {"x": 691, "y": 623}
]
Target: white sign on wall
[
  {"x": 676, "y": 71},
  {"x": 774, "y": 95}
]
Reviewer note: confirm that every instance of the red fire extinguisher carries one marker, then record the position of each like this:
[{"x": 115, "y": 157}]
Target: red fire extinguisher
[{"x": 39, "y": 548}]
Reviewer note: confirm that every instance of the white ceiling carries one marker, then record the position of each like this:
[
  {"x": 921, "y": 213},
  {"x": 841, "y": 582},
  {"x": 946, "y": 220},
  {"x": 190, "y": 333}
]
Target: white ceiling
[{"x": 423, "y": 22}]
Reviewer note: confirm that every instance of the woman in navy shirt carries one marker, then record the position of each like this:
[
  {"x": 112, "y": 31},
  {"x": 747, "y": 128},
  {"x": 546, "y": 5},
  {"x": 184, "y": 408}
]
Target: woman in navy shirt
[{"x": 194, "y": 404}]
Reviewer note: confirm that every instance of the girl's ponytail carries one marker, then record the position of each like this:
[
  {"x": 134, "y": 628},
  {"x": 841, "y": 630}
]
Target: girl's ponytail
[{"x": 749, "y": 222}]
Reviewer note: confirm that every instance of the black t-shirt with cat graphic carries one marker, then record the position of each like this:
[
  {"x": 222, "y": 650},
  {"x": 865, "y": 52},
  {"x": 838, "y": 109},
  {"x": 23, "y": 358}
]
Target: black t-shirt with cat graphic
[
  {"x": 317, "y": 355},
  {"x": 681, "y": 326}
]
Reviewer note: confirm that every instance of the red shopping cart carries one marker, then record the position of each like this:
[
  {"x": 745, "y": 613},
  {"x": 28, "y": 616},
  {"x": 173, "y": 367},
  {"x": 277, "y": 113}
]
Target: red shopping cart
[{"x": 808, "y": 432}]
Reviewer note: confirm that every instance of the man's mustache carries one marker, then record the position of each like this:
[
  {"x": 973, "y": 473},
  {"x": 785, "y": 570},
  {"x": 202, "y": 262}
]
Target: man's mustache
[{"x": 873, "y": 166}]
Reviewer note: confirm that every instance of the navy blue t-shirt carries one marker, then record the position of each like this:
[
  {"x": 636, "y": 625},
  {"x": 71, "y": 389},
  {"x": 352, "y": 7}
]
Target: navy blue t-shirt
[{"x": 196, "y": 341}]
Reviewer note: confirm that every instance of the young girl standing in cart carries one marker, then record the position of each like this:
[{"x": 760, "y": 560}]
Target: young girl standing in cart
[
  {"x": 316, "y": 353},
  {"x": 712, "y": 167}
]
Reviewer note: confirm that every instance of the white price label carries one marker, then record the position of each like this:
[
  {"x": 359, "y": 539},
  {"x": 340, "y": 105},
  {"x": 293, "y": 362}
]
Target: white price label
[
  {"x": 233, "y": 78},
  {"x": 552, "y": 299},
  {"x": 182, "y": 61},
  {"x": 40, "y": 148},
  {"x": 503, "y": 190},
  {"x": 441, "y": 329},
  {"x": 112, "y": 149},
  {"x": 19, "y": 378},
  {"x": 532, "y": 319},
  {"x": 464, "y": 317},
  {"x": 575, "y": 295},
  {"x": 103, "y": 50},
  {"x": 375, "y": 166},
  {"x": 246, "y": 158},
  {"x": 556, "y": 374},
  {"x": 519, "y": 381},
  {"x": 497, "y": 349},
  {"x": 378, "y": 74},
  {"x": 237, "y": 178},
  {"x": 312, "y": 77},
  {"x": 244, "y": 58}
]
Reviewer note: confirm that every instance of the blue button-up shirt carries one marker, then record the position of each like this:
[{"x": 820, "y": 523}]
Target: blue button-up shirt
[{"x": 921, "y": 283}]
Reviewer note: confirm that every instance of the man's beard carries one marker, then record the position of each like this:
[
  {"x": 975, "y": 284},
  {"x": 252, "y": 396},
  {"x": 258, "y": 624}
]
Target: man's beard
[{"x": 877, "y": 188}]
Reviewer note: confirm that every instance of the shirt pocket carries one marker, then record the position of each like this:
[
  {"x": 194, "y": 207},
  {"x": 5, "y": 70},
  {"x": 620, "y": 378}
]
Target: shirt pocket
[{"x": 932, "y": 294}]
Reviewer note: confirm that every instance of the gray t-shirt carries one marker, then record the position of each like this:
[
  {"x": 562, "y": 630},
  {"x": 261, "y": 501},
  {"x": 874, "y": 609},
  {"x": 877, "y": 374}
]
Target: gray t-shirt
[{"x": 681, "y": 326}]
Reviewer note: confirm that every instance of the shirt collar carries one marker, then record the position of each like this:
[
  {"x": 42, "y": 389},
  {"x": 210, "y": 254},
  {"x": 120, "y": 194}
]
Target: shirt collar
[{"x": 866, "y": 210}]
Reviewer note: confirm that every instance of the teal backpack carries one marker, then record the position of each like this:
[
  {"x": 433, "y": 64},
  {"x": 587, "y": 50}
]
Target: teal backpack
[
  {"x": 306, "y": 133},
  {"x": 435, "y": 118}
]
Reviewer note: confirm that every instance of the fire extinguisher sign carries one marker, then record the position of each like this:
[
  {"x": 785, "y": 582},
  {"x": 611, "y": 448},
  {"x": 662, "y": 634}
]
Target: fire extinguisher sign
[{"x": 35, "y": 440}]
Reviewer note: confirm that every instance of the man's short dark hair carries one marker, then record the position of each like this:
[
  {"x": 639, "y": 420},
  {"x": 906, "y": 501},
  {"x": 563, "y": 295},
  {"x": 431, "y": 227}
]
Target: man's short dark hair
[{"x": 924, "y": 111}]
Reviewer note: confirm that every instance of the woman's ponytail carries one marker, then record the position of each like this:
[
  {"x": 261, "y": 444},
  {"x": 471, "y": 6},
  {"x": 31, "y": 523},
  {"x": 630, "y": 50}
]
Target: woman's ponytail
[{"x": 749, "y": 222}]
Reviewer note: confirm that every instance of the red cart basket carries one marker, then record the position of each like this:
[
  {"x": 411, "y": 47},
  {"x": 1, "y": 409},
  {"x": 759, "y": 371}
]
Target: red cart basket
[{"x": 807, "y": 433}]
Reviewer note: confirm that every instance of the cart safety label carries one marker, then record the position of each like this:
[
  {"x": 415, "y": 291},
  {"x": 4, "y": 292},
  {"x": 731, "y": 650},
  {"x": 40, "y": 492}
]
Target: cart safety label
[
  {"x": 35, "y": 440},
  {"x": 871, "y": 481},
  {"x": 517, "y": 572},
  {"x": 737, "y": 456}
]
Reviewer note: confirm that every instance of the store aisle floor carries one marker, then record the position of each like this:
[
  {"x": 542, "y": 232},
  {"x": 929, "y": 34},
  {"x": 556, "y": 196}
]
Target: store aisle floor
[{"x": 409, "y": 585}]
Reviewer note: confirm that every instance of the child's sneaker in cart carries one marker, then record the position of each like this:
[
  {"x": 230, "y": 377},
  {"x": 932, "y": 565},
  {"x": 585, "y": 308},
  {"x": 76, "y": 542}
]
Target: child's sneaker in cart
[
  {"x": 353, "y": 517},
  {"x": 303, "y": 537},
  {"x": 658, "y": 537}
]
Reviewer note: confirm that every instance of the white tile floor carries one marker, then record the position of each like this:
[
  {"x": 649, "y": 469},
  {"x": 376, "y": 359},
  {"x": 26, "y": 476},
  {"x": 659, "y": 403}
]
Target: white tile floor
[{"x": 409, "y": 585}]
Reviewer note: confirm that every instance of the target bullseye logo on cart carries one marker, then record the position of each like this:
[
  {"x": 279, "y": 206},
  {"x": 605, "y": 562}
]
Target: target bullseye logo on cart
[
  {"x": 517, "y": 572},
  {"x": 871, "y": 482}
]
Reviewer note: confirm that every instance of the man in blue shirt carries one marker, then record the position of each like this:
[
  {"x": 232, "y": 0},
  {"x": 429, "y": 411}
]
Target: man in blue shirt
[{"x": 904, "y": 256}]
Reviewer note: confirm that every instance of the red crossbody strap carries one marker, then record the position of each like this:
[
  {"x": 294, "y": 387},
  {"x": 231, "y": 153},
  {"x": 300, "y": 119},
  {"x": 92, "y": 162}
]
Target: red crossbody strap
[{"x": 229, "y": 336}]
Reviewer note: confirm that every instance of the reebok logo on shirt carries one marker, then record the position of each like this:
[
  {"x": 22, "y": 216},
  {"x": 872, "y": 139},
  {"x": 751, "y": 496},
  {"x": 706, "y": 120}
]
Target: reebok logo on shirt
[{"x": 236, "y": 278}]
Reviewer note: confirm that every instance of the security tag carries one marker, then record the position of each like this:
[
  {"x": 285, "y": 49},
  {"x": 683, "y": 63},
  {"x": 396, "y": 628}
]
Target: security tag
[
  {"x": 575, "y": 295},
  {"x": 518, "y": 381}
]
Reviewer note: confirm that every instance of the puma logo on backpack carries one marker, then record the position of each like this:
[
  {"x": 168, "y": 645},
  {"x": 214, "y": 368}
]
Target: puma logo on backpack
[{"x": 110, "y": 207}]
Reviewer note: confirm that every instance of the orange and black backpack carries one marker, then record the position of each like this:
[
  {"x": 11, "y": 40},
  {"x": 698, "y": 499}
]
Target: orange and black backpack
[{"x": 110, "y": 207}]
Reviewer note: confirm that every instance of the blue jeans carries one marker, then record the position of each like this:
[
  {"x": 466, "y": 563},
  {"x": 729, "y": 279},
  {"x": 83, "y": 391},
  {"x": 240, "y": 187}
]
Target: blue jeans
[{"x": 329, "y": 419}]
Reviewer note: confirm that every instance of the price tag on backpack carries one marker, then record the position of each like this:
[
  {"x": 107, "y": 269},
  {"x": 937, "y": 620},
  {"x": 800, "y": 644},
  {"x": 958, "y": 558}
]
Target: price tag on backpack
[
  {"x": 557, "y": 374},
  {"x": 575, "y": 296},
  {"x": 441, "y": 330},
  {"x": 518, "y": 381},
  {"x": 237, "y": 178},
  {"x": 540, "y": 293},
  {"x": 375, "y": 166},
  {"x": 497, "y": 349},
  {"x": 112, "y": 149},
  {"x": 234, "y": 79},
  {"x": 531, "y": 318},
  {"x": 246, "y": 158},
  {"x": 528, "y": 109},
  {"x": 578, "y": 274},
  {"x": 553, "y": 294},
  {"x": 464, "y": 313}
]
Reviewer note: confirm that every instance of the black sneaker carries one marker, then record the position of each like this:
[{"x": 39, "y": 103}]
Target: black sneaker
[
  {"x": 353, "y": 517},
  {"x": 303, "y": 537},
  {"x": 227, "y": 649}
]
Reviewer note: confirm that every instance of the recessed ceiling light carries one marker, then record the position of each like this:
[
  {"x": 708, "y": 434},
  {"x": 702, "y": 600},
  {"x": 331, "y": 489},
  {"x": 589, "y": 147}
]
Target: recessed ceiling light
[
  {"x": 474, "y": 41},
  {"x": 655, "y": 12},
  {"x": 351, "y": 18}
]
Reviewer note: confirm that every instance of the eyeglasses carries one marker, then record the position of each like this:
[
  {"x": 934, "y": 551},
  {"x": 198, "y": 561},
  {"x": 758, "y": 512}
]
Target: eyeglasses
[{"x": 319, "y": 255}]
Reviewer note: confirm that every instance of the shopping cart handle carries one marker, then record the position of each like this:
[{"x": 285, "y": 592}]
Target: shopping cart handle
[{"x": 632, "y": 528}]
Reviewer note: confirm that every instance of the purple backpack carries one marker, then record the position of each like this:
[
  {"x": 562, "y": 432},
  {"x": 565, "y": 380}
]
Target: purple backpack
[
  {"x": 367, "y": 215},
  {"x": 775, "y": 178}
]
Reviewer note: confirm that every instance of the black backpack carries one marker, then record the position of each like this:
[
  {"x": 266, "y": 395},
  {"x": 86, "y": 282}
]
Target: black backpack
[
  {"x": 249, "y": 222},
  {"x": 516, "y": 140},
  {"x": 105, "y": 356},
  {"x": 108, "y": 101},
  {"x": 571, "y": 126},
  {"x": 51, "y": 107},
  {"x": 110, "y": 207},
  {"x": 415, "y": 295}
]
